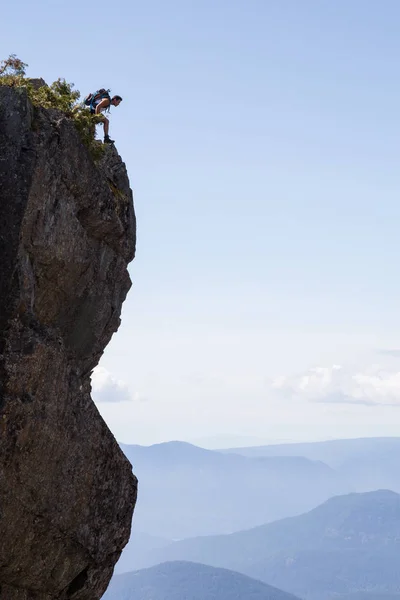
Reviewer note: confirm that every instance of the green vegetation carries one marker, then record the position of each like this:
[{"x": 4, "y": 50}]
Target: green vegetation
[{"x": 59, "y": 95}]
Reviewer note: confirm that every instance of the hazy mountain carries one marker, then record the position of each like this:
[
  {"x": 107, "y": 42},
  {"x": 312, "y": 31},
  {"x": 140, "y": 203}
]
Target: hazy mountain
[
  {"x": 366, "y": 463},
  {"x": 350, "y": 543},
  {"x": 371, "y": 471},
  {"x": 189, "y": 581},
  {"x": 216, "y": 442},
  {"x": 140, "y": 544},
  {"x": 334, "y": 453},
  {"x": 186, "y": 491}
]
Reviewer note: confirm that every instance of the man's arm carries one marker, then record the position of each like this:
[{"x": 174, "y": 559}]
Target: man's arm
[{"x": 103, "y": 104}]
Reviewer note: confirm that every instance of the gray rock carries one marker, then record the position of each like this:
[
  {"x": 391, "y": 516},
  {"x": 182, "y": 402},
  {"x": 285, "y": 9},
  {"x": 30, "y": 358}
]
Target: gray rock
[
  {"x": 67, "y": 234},
  {"x": 37, "y": 82}
]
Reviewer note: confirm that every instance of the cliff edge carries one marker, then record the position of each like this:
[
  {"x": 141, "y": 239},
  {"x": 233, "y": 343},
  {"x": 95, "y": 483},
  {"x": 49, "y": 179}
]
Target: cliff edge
[{"x": 67, "y": 234}]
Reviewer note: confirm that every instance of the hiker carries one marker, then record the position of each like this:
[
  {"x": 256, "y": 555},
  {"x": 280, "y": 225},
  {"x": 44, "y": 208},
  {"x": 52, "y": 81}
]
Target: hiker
[{"x": 99, "y": 103}]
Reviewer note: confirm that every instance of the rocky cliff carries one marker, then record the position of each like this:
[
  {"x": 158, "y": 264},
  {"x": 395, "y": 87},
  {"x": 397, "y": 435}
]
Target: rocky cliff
[{"x": 67, "y": 234}]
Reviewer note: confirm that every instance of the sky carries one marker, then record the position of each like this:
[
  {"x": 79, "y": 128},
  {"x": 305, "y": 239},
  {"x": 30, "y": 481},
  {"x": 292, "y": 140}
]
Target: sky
[{"x": 262, "y": 142}]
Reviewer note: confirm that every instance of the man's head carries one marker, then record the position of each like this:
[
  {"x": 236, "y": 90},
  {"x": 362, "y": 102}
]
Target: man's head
[{"x": 116, "y": 100}]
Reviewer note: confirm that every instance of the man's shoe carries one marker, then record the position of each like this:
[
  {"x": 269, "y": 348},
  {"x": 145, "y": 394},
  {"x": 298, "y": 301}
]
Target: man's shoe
[{"x": 107, "y": 140}]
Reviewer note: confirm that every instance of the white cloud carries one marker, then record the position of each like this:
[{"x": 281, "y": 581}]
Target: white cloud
[
  {"x": 106, "y": 388},
  {"x": 337, "y": 384}
]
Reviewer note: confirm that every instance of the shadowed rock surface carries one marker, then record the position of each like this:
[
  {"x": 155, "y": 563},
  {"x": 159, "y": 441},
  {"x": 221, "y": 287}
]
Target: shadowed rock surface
[{"x": 67, "y": 233}]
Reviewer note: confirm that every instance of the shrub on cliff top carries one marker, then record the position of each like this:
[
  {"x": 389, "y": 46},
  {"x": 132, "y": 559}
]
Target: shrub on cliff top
[
  {"x": 12, "y": 68},
  {"x": 59, "y": 95}
]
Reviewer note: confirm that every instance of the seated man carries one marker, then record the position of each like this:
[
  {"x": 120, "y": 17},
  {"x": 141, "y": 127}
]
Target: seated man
[{"x": 100, "y": 105}]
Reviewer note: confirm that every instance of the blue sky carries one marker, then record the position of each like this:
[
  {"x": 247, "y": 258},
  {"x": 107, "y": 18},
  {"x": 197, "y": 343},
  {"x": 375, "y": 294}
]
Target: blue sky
[{"x": 262, "y": 141}]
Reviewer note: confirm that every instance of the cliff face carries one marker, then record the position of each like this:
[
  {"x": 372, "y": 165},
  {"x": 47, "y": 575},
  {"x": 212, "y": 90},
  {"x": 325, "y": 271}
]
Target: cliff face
[{"x": 67, "y": 233}]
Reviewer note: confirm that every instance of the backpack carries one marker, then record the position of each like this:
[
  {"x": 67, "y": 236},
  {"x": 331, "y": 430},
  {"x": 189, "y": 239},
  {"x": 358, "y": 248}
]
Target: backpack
[{"x": 99, "y": 95}]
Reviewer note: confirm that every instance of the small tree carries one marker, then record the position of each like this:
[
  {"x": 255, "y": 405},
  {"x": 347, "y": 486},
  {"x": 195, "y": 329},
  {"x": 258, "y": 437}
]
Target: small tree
[
  {"x": 12, "y": 66},
  {"x": 12, "y": 71}
]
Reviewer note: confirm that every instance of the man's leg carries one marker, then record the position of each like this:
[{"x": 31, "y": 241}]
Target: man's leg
[
  {"x": 106, "y": 136},
  {"x": 106, "y": 126}
]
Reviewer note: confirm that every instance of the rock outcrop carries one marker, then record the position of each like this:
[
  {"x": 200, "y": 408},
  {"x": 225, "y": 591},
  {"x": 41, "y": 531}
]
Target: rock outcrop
[{"x": 67, "y": 234}]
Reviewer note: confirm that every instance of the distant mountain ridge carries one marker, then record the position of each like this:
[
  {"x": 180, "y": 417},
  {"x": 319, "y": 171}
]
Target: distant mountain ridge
[
  {"x": 189, "y": 581},
  {"x": 332, "y": 452},
  {"x": 188, "y": 491},
  {"x": 185, "y": 453},
  {"x": 366, "y": 464},
  {"x": 350, "y": 543}
]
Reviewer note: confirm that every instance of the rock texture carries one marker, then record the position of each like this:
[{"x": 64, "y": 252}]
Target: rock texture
[{"x": 67, "y": 233}]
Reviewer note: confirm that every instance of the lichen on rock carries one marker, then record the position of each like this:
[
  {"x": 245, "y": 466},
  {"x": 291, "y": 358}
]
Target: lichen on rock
[{"x": 67, "y": 492}]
